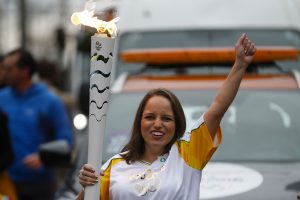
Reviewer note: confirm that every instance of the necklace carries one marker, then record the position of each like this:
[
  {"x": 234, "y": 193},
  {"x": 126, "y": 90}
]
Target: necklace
[
  {"x": 144, "y": 162},
  {"x": 148, "y": 181}
]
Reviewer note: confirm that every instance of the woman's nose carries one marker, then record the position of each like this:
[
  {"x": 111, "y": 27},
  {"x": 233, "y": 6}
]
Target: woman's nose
[{"x": 157, "y": 123}]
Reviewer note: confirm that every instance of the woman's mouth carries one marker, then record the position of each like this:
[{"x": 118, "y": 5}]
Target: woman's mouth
[{"x": 157, "y": 133}]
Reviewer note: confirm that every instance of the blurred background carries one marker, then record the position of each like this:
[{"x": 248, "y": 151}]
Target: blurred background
[
  {"x": 44, "y": 28},
  {"x": 63, "y": 49}
]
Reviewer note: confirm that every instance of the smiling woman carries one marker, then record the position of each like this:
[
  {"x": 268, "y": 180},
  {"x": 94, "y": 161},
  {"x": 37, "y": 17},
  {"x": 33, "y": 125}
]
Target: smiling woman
[
  {"x": 157, "y": 127},
  {"x": 158, "y": 118},
  {"x": 161, "y": 160}
]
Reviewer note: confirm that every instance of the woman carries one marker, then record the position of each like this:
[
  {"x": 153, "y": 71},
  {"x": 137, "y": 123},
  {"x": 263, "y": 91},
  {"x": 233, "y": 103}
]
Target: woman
[{"x": 159, "y": 162}]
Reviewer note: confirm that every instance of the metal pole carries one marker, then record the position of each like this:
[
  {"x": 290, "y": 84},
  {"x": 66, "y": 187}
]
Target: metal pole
[{"x": 1, "y": 24}]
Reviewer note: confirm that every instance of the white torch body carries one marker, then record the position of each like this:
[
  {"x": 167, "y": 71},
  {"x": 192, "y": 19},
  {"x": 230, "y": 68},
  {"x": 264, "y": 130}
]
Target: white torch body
[{"x": 102, "y": 49}]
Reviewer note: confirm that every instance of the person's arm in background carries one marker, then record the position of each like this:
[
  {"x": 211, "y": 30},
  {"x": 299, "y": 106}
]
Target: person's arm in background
[
  {"x": 58, "y": 122},
  {"x": 61, "y": 123},
  {"x": 80, "y": 196},
  {"x": 244, "y": 50}
]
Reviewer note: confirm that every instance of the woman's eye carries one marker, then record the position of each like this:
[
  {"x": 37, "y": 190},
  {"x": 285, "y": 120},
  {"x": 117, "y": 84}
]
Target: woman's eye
[
  {"x": 167, "y": 119},
  {"x": 149, "y": 117}
]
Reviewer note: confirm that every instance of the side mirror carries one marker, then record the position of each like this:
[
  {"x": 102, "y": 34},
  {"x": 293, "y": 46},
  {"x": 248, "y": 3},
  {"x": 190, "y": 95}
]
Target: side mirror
[{"x": 56, "y": 154}]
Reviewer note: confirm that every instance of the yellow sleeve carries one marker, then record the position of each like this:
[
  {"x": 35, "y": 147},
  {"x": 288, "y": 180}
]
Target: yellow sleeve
[
  {"x": 105, "y": 179},
  {"x": 104, "y": 185},
  {"x": 199, "y": 149}
]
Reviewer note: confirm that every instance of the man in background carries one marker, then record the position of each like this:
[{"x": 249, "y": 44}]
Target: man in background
[
  {"x": 35, "y": 116},
  {"x": 48, "y": 73}
]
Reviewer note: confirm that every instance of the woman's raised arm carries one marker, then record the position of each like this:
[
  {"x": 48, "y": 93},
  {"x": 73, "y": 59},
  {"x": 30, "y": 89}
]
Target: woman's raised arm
[{"x": 244, "y": 50}]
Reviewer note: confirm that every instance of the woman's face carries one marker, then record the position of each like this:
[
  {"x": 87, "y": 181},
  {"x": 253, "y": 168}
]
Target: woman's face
[{"x": 157, "y": 124}]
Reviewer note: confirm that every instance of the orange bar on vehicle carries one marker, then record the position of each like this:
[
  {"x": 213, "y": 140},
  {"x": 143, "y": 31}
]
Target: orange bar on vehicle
[{"x": 204, "y": 55}]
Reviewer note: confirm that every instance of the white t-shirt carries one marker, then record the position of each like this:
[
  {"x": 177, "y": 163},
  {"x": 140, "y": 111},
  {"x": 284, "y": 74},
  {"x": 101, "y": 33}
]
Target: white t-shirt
[{"x": 175, "y": 175}]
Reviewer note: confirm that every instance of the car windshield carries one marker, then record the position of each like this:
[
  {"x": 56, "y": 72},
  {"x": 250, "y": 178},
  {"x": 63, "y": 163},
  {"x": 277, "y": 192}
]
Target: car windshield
[
  {"x": 259, "y": 125},
  {"x": 203, "y": 38}
]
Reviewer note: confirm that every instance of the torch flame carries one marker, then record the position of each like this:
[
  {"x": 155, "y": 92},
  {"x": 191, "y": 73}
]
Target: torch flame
[{"x": 87, "y": 18}]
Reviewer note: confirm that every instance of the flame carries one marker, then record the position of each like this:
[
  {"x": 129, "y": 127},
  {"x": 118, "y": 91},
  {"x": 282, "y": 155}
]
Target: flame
[{"x": 87, "y": 18}]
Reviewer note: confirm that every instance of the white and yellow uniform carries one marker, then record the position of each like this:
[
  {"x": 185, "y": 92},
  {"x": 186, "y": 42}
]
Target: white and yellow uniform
[{"x": 175, "y": 175}]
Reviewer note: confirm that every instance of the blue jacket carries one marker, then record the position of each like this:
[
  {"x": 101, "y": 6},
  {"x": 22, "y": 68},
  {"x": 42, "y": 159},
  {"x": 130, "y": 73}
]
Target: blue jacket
[{"x": 35, "y": 117}]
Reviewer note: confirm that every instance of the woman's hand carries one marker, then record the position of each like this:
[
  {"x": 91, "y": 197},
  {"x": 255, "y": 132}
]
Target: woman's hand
[
  {"x": 87, "y": 176},
  {"x": 244, "y": 50}
]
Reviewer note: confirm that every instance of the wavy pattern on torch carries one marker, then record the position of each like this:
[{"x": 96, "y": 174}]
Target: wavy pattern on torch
[
  {"x": 101, "y": 57},
  {"x": 98, "y": 120},
  {"x": 105, "y": 102},
  {"x": 99, "y": 91},
  {"x": 99, "y": 72}
]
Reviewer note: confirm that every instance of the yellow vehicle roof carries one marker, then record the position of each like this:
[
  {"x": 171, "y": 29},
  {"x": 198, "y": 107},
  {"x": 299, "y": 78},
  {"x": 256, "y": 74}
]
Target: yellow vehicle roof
[{"x": 166, "y": 56}]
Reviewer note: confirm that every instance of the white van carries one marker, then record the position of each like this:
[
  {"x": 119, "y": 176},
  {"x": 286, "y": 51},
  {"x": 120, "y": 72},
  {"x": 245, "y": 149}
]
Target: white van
[
  {"x": 149, "y": 24},
  {"x": 161, "y": 24}
]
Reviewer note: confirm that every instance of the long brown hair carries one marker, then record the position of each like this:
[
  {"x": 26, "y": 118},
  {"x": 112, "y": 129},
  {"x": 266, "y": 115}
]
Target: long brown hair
[{"x": 135, "y": 148}]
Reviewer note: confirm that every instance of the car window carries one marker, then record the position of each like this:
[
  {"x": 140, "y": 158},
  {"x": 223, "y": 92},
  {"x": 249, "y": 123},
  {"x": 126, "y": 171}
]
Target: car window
[{"x": 259, "y": 125}]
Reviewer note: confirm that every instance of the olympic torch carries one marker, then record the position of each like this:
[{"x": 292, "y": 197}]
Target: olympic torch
[{"x": 102, "y": 48}]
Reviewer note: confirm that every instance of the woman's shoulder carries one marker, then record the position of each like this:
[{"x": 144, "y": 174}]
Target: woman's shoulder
[
  {"x": 112, "y": 161},
  {"x": 195, "y": 125},
  {"x": 198, "y": 122}
]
